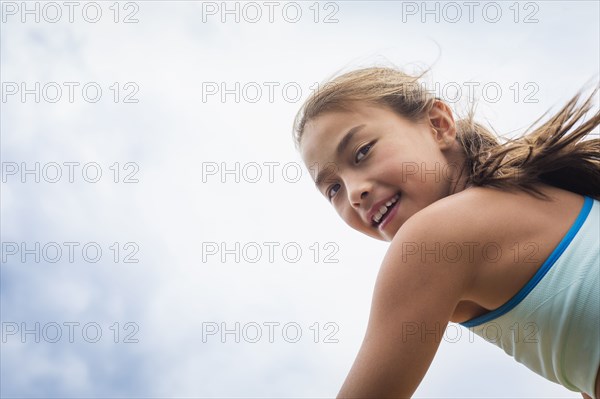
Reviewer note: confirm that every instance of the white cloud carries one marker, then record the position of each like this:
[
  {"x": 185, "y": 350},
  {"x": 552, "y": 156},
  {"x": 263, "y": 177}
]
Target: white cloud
[{"x": 171, "y": 211}]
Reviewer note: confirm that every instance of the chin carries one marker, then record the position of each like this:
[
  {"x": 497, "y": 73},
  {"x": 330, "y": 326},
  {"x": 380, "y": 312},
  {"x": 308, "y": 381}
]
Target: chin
[
  {"x": 378, "y": 235},
  {"x": 386, "y": 236},
  {"x": 393, "y": 228},
  {"x": 373, "y": 234},
  {"x": 389, "y": 238}
]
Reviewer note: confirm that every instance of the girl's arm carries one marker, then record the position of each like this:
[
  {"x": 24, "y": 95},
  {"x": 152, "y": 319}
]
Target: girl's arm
[{"x": 414, "y": 298}]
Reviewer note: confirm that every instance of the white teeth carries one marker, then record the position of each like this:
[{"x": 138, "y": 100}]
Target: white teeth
[{"x": 384, "y": 208}]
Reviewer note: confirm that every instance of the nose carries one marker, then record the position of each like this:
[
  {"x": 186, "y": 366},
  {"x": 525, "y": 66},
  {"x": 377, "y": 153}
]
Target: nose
[{"x": 357, "y": 193}]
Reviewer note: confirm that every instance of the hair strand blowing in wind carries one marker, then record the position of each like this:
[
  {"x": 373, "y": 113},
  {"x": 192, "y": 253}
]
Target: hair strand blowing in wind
[{"x": 556, "y": 152}]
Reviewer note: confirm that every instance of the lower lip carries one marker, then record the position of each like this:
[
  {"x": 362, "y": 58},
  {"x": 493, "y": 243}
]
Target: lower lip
[{"x": 389, "y": 216}]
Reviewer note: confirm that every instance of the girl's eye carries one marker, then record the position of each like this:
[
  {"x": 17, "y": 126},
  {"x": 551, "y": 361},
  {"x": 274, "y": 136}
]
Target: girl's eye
[
  {"x": 362, "y": 152},
  {"x": 329, "y": 192}
]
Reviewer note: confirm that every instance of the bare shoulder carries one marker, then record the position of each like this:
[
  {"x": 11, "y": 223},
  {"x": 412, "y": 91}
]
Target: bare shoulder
[
  {"x": 491, "y": 213},
  {"x": 495, "y": 239},
  {"x": 430, "y": 247},
  {"x": 473, "y": 214}
]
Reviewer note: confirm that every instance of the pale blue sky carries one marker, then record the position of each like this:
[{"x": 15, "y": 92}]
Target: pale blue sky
[{"x": 171, "y": 134}]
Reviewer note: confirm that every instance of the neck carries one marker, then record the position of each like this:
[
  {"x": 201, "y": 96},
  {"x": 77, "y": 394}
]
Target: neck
[{"x": 460, "y": 175}]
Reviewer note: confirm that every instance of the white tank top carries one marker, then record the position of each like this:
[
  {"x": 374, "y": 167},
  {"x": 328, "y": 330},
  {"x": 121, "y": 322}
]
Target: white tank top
[{"x": 552, "y": 325}]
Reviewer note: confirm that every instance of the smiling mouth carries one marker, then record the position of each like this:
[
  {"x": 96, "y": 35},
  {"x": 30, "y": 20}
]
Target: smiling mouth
[{"x": 384, "y": 211}]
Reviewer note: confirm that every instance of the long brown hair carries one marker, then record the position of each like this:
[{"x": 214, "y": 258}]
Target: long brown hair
[{"x": 556, "y": 152}]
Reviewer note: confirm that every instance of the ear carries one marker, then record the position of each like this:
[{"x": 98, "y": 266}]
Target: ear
[{"x": 442, "y": 123}]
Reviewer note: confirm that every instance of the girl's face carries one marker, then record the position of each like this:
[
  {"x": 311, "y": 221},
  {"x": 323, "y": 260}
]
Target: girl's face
[{"x": 377, "y": 168}]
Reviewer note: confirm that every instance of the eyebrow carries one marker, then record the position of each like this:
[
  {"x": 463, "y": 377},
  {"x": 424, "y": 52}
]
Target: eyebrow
[{"x": 341, "y": 147}]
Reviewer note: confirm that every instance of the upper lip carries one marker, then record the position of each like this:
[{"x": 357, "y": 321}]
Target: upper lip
[{"x": 375, "y": 208}]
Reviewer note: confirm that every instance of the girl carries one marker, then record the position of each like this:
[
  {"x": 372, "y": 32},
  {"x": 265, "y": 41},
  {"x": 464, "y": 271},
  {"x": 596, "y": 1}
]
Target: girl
[{"x": 481, "y": 233}]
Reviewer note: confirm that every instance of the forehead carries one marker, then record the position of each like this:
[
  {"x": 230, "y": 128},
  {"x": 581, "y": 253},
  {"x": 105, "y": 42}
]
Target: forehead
[{"x": 323, "y": 133}]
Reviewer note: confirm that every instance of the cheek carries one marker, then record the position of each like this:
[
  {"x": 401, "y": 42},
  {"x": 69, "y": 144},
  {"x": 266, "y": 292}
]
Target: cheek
[
  {"x": 344, "y": 212},
  {"x": 391, "y": 171},
  {"x": 349, "y": 216},
  {"x": 390, "y": 162},
  {"x": 387, "y": 152}
]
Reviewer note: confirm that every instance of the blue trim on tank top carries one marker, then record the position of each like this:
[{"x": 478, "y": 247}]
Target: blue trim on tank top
[{"x": 560, "y": 248}]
